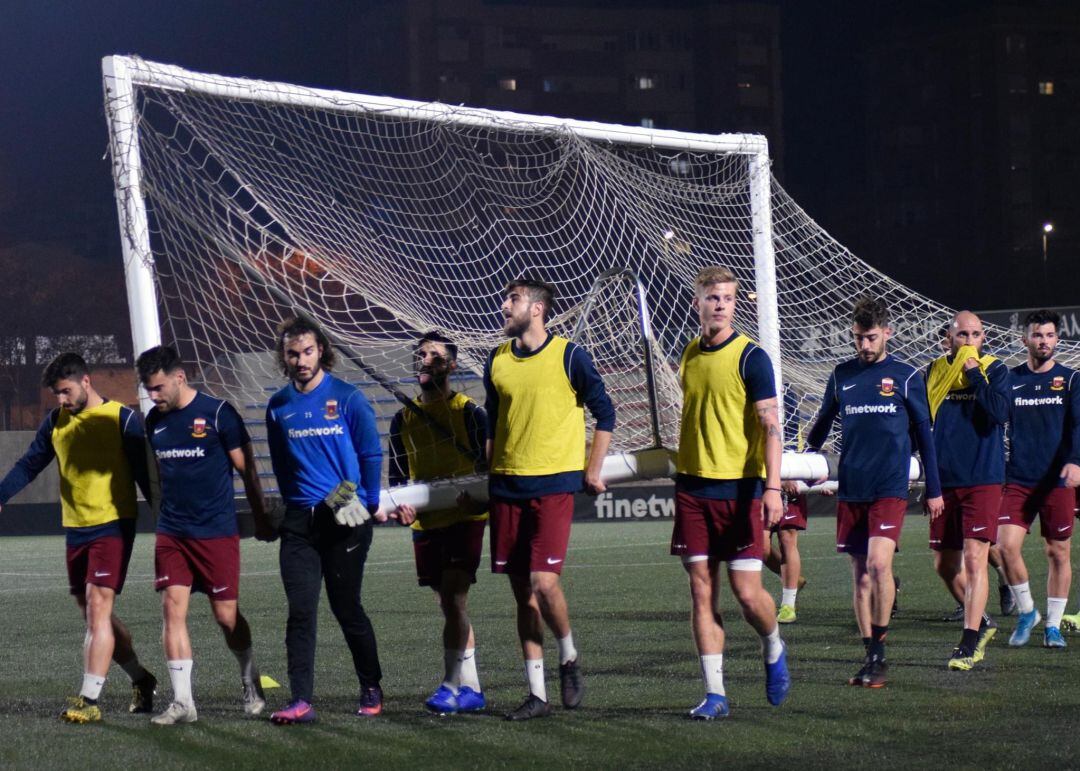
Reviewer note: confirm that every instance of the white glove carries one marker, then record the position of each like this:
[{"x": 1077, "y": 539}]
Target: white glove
[{"x": 352, "y": 514}]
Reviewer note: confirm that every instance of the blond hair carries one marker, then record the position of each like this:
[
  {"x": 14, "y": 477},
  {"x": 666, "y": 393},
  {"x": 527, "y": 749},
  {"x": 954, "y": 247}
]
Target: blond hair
[{"x": 714, "y": 274}]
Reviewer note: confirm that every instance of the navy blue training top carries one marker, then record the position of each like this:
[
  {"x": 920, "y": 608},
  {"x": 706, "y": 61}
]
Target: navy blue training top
[
  {"x": 1044, "y": 425},
  {"x": 880, "y": 405}
]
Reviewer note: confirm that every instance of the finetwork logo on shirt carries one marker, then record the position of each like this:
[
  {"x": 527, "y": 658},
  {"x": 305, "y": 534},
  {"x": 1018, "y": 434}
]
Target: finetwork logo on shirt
[
  {"x": 871, "y": 409},
  {"x": 180, "y": 452},
  {"x": 304, "y": 433},
  {"x": 1037, "y": 401}
]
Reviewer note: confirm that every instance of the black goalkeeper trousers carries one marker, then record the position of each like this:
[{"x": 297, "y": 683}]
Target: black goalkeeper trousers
[{"x": 314, "y": 549}]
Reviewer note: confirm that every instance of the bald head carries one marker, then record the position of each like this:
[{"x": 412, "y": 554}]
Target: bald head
[{"x": 966, "y": 329}]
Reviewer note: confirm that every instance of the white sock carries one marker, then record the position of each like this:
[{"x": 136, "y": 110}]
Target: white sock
[
  {"x": 567, "y": 651},
  {"x": 787, "y": 596},
  {"x": 1022, "y": 593},
  {"x": 470, "y": 678},
  {"x": 534, "y": 671},
  {"x": 712, "y": 672},
  {"x": 247, "y": 665},
  {"x": 771, "y": 645},
  {"x": 91, "y": 686},
  {"x": 452, "y": 669},
  {"x": 1055, "y": 609},
  {"x": 134, "y": 669},
  {"x": 180, "y": 675}
]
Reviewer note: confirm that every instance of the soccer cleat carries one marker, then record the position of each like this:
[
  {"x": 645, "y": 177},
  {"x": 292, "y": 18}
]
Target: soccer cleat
[
  {"x": 987, "y": 630},
  {"x": 777, "y": 678},
  {"x": 254, "y": 698},
  {"x": 1052, "y": 638},
  {"x": 713, "y": 707},
  {"x": 1025, "y": 622},
  {"x": 956, "y": 615},
  {"x": 175, "y": 714},
  {"x": 801, "y": 584},
  {"x": 571, "y": 684},
  {"x": 442, "y": 702},
  {"x": 142, "y": 694},
  {"x": 79, "y": 710},
  {"x": 532, "y": 707},
  {"x": 1007, "y": 600},
  {"x": 298, "y": 711},
  {"x": 961, "y": 660},
  {"x": 1071, "y": 623},
  {"x": 896, "y": 598},
  {"x": 786, "y": 615},
  {"x": 370, "y": 701},
  {"x": 877, "y": 671},
  {"x": 469, "y": 700},
  {"x": 857, "y": 678}
]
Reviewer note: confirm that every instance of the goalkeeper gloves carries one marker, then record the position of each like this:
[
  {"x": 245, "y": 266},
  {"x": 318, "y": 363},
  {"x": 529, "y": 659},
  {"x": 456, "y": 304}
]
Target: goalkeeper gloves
[{"x": 348, "y": 511}]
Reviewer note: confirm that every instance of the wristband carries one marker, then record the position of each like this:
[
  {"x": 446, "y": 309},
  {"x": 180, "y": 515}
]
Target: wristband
[{"x": 775, "y": 489}]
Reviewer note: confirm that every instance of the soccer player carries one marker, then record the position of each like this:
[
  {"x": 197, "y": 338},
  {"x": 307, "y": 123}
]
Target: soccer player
[
  {"x": 881, "y": 401},
  {"x": 536, "y": 383},
  {"x": 100, "y": 452},
  {"x": 786, "y": 561},
  {"x": 197, "y": 441},
  {"x": 448, "y": 543},
  {"x": 727, "y": 490},
  {"x": 1043, "y": 467},
  {"x": 325, "y": 451},
  {"x": 969, "y": 405}
]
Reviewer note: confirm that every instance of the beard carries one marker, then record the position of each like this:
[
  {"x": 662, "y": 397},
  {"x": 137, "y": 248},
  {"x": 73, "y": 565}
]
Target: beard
[
  {"x": 515, "y": 327},
  {"x": 435, "y": 381}
]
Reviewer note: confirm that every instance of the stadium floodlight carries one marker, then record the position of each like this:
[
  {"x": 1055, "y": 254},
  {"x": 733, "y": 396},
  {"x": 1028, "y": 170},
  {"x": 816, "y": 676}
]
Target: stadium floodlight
[{"x": 242, "y": 201}]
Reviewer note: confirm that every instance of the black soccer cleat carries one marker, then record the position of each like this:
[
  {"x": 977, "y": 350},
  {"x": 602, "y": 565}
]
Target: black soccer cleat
[
  {"x": 572, "y": 684},
  {"x": 142, "y": 694},
  {"x": 532, "y": 707}
]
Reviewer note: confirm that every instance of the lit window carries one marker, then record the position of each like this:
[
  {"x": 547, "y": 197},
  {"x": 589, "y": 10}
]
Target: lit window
[
  {"x": 744, "y": 84},
  {"x": 1046, "y": 87},
  {"x": 648, "y": 123},
  {"x": 549, "y": 85},
  {"x": 645, "y": 82},
  {"x": 508, "y": 84}
]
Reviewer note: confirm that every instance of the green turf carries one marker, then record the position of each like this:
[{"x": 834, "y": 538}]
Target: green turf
[{"x": 629, "y": 606}]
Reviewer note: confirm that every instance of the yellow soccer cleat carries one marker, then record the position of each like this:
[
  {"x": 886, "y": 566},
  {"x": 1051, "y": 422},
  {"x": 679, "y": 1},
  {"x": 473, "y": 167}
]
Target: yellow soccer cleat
[
  {"x": 79, "y": 710},
  {"x": 786, "y": 615},
  {"x": 987, "y": 630},
  {"x": 960, "y": 661},
  {"x": 1070, "y": 623}
]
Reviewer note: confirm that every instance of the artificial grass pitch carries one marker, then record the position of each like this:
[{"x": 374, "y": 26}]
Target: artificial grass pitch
[{"x": 629, "y": 607}]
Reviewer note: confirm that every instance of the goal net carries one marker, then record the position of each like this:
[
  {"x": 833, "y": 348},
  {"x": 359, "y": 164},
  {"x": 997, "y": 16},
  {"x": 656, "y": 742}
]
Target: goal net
[{"x": 242, "y": 202}]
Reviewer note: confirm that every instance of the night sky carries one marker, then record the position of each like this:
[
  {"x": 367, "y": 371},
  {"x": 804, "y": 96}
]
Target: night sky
[{"x": 53, "y": 135}]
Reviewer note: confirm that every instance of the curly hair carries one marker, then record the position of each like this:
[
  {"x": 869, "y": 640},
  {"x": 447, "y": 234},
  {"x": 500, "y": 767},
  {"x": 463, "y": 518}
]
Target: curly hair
[{"x": 294, "y": 326}]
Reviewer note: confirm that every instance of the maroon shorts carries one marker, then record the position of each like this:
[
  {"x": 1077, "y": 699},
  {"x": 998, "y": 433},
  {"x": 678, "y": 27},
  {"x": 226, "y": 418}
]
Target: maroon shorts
[
  {"x": 718, "y": 529},
  {"x": 1053, "y": 506},
  {"x": 970, "y": 512},
  {"x": 457, "y": 547},
  {"x": 102, "y": 562},
  {"x": 207, "y": 565},
  {"x": 530, "y": 535},
  {"x": 858, "y": 522},
  {"x": 794, "y": 516}
]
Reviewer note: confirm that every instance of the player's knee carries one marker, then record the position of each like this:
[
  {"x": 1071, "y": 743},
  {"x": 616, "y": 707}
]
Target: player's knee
[
  {"x": 544, "y": 584},
  {"x": 878, "y": 569},
  {"x": 226, "y": 615}
]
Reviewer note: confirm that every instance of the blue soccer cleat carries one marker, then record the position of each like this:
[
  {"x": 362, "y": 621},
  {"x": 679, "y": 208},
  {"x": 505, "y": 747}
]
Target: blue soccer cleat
[
  {"x": 1052, "y": 638},
  {"x": 713, "y": 707},
  {"x": 1025, "y": 622},
  {"x": 777, "y": 679},
  {"x": 442, "y": 702},
  {"x": 469, "y": 700}
]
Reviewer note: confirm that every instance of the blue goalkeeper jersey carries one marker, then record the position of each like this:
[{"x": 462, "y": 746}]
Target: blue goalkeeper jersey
[
  {"x": 969, "y": 430},
  {"x": 879, "y": 405},
  {"x": 322, "y": 438},
  {"x": 192, "y": 447},
  {"x": 1044, "y": 425}
]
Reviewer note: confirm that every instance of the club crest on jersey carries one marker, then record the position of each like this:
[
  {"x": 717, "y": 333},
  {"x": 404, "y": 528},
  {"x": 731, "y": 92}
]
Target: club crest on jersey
[
  {"x": 331, "y": 410},
  {"x": 198, "y": 428},
  {"x": 1058, "y": 383},
  {"x": 886, "y": 386}
]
